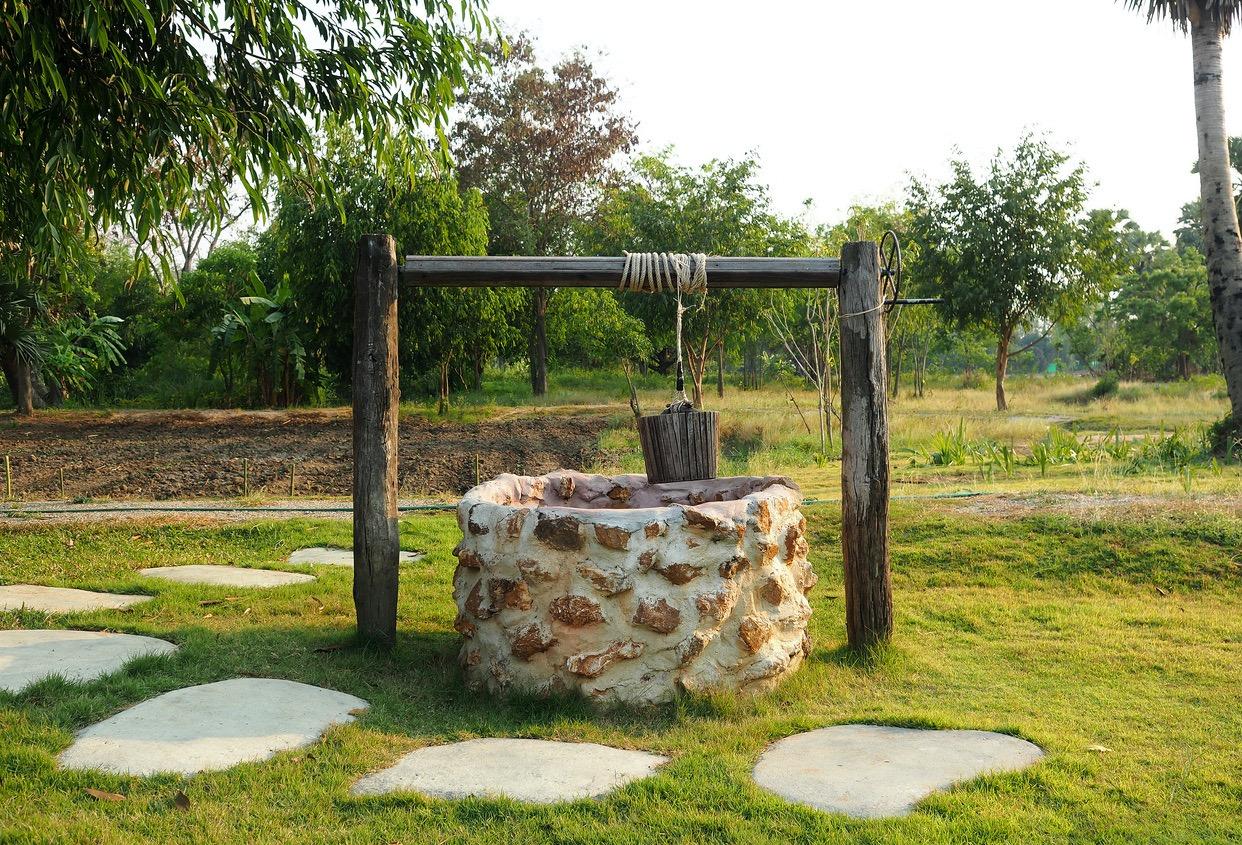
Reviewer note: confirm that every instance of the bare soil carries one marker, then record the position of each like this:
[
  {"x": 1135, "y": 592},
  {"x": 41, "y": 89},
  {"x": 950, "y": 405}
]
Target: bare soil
[{"x": 159, "y": 455}]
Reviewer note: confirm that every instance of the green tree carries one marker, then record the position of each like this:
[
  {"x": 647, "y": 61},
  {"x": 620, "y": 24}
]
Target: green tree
[
  {"x": 719, "y": 208},
  {"x": 1014, "y": 248},
  {"x": 1208, "y": 22},
  {"x": 538, "y": 143},
  {"x": 1163, "y": 318},
  {"x": 108, "y": 104},
  {"x": 313, "y": 244}
]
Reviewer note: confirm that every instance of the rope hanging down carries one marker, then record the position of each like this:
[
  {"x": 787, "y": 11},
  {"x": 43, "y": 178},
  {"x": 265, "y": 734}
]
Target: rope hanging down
[{"x": 655, "y": 272}]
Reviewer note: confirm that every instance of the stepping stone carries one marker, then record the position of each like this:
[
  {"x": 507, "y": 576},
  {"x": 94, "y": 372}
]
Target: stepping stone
[
  {"x": 210, "y": 727},
  {"x": 226, "y": 576},
  {"x": 337, "y": 557},
  {"x": 62, "y": 599},
  {"x": 29, "y": 656},
  {"x": 534, "y": 770},
  {"x": 874, "y": 771}
]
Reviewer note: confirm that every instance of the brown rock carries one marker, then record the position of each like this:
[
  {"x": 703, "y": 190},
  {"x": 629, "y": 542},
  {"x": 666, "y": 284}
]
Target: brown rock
[
  {"x": 658, "y": 615},
  {"x": 696, "y": 497},
  {"x": 576, "y": 610},
  {"x": 806, "y": 644},
  {"x": 733, "y": 566},
  {"x": 619, "y": 494},
  {"x": 678, "y": 573},
  {"x": 464, "y": 626},
  {"x": 612, "y": 537},
  {"x": 754, "y": 632},
  {"x": 767, "y": 552},
  {"x": 763, "y": 516},
  {"x": 565, "y": 486},
  {"x": 506, "y": 594},
  {"x": 474, "y": 602},
  {"x": 609, "y": 582},
  {"x": 691, "y": 647},
  {"x": 773, "y": 591},
  {"x": 594, "y": 664},
  {"x": 648, "y": 559},
  {"x": 513, "y": 525},
  {"x": 716, "y": 605},
  {"x": 795, "y": 544},
  {"x": 534, "y": 570},
  {"x": 529, "y": 640},
  {"x": 698, "y": 519},
  {"x": 653, "y": 529},
  {"x": 468, "y": 557},
  {"x": 559, "y": 532},
  {"x": 471, "y": 658}
]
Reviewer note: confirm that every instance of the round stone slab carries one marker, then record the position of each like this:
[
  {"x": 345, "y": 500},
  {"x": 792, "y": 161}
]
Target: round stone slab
[
  {"x": 534, "y": 770},
  {"x": 29, "y": 656},
  {"x": 874, "y": 771},
  {"x": 210, "y": 727},
  {"x": 62, "y": 599},
  {"x": 227, "y": 576},
  {"x": 329, "y": 556}
]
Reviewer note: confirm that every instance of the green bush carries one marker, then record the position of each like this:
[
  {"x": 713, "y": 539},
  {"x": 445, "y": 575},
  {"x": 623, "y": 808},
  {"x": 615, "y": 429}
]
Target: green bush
[{"x": 1108, "y": 385}]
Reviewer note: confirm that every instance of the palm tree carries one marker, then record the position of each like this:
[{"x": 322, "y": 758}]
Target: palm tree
[{"x": 1209, "y": 21}]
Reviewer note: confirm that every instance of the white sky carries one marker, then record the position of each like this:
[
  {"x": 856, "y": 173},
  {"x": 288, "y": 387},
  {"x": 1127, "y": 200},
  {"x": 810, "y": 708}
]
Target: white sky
[{"x": 841, "y": 99}]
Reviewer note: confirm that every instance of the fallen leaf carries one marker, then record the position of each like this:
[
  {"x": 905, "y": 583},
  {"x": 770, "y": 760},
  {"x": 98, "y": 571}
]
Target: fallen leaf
[
  {"x": 1099, "y": 749},
  {"x": 324, "y": 649},
  {"x": 135, "y": 537},
  {"x": 1162, "y": 591},
  {"x": 181, "y": 801},
  {"x": 357, "y": 711},
  {"x": 208, "y": 615},
  {"x": 244, "y": 612},
  {"x": 210, "y": 602},
  {"x": 102, "y": 795}
]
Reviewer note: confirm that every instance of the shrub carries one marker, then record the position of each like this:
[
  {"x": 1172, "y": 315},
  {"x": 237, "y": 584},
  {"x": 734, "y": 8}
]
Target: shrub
[{"x": 1108, "y": 385}]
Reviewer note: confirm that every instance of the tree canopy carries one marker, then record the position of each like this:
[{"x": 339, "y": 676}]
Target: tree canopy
[{"x": 1015, "y": 246}]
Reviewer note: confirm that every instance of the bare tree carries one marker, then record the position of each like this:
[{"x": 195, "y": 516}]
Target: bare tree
[{"x": 806, "y": 330}]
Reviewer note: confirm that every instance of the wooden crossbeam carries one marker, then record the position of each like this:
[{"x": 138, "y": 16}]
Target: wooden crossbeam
[{"x": 595, "y": 272}]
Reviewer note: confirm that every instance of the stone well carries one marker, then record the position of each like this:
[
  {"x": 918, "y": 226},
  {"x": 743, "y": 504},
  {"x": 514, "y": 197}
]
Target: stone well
[{"x": 625, "y": 590}]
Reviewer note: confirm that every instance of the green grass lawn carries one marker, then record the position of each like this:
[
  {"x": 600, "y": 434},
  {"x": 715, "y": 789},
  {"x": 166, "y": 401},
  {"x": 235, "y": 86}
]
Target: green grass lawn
[{"x": 1069, "y": 633}]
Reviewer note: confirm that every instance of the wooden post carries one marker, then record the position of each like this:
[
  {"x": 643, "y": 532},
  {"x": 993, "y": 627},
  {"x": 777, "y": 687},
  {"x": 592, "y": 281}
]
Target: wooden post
[
  {"x": 376, "y": 396},
  {"x": 864, "y": 448}
]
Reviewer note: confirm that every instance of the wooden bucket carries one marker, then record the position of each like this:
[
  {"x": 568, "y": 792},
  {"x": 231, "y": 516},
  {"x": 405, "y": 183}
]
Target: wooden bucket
[{"x": 680, "y": 446}]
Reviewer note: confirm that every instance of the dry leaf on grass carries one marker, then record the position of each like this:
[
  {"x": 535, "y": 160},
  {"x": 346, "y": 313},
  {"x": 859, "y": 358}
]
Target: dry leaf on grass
[
  {"x": 103, "y": 795},
  {"x": 181, "y": 801}
]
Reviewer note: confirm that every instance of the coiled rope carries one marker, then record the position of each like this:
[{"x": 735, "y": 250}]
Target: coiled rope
[{"x": 656, "y": 272}]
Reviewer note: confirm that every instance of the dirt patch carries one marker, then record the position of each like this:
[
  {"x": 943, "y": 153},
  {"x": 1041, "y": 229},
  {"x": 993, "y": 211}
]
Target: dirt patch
[
  {"x": 195, "y": 454},
  {"x": 1096, "y": 505}
]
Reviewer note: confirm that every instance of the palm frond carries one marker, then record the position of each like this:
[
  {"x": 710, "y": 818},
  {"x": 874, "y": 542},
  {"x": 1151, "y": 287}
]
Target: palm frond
[{"x": 1221, "y": 12}]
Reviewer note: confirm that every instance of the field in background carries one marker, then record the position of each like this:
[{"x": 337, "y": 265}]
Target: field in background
[{"x": 1144, "y": 438}]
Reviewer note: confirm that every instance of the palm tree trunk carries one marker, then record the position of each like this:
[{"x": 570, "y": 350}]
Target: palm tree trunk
[{"x": 1220, "y": 216}]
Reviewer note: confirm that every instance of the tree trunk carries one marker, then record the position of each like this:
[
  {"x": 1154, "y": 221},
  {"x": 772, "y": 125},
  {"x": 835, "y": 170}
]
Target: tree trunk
[
  {"x": 444, "y": 386},
  {"x": 720, "y": 369},
  {"x": 539, "y": 341},
  {"x": 17, "y": 373},
  {"x": 1220, "y": 216},
  {"x": 1002, "y": 366}
]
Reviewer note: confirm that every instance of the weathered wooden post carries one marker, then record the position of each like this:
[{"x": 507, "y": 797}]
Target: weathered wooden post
[
  {"x": 376, "y": 396},
  {"x": 864, "y": 448}
]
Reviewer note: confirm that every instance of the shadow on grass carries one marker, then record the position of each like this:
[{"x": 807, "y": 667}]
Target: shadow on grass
[{"x": 414, "y": 689}]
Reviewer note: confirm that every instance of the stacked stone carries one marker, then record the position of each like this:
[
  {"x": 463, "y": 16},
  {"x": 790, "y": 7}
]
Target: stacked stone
[{"x": 626, "y": 591}]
